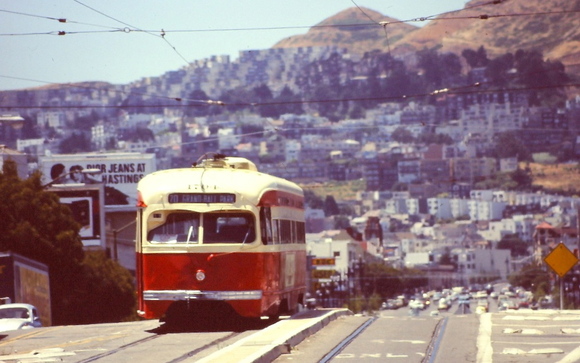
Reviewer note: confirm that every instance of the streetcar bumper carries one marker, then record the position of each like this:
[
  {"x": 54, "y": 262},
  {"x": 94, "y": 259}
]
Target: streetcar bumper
[{"x": 177, "y": 295}]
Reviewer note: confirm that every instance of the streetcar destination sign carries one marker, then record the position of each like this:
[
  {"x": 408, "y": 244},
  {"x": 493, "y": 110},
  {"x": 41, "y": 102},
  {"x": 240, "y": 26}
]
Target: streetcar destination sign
[{"x": 202, "y": 198}]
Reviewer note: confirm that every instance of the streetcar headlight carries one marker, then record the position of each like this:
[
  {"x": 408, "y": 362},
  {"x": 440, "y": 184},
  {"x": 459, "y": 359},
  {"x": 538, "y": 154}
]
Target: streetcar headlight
[{"x": 200, "y": 275}]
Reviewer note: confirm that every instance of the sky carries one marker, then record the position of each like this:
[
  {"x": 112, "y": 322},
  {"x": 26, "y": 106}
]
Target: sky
[{"x": 121, "y": 41}]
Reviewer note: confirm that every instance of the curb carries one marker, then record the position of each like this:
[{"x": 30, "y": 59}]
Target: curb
[{"x": 280, "y": 338}]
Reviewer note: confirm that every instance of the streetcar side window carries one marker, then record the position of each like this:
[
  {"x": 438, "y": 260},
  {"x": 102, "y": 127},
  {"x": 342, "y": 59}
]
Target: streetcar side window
[
  {"x": 275, "y": 231},
  {"x": 266, "y": 225},
  {"x": 285, "y": 231},
  {"x": 300, "y": 229},
  {"x": 228, "y": 228},
  {"x": 180, "y": 227}
]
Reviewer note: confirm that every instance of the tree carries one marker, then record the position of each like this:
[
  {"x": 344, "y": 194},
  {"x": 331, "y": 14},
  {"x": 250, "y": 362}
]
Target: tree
[
  {"x": 289, "y": 102},
  {"x": 322, "y": 82},
  {"x": 356, "y": 112},
  {"x": 439, "y": 68},
  {"x": 236, "y": 99},
  {"x": 498, "y": 181},
  {"x": 341, "y": 222},
  {"x": 403, "y": 135},
  {"x": 475, "y": 58},
  {"x": 431, "y": 138},
  {"x": 519, "y": 179},
  {"x": 263, "y": 95},
  {"x": 564, "y": 152},
  {"x": 400, "y": 187},
  {"x": 312, "y": 200},
  {"x": 29, "y": 131},
  {"x": 383, "y": 279},
  {"x": 429, "y": 62},
  {"x": 142, "y": 134},
  {"x": 522, "y": 179},
  {"x": 37, "y": 226},
  {"x": 85, "y": 123},
  {"x": 197, "y": 104},
  {"x": 532, "y": 277},
  {"x": 543, "y": 79},
  {"x": 513, "y": 243},
  {"x": 508, "y": 145},
  {"x": 447, "y": 259},
  {"x": 330, "y": 206},
  {"x": 104, "y": 281},
  {"x": 77, "y": 142},
  {"x": 497, "y": 70}
]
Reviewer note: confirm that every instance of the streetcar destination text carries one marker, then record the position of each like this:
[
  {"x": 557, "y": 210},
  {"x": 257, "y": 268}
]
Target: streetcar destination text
[{"x": 202, "y": 198}]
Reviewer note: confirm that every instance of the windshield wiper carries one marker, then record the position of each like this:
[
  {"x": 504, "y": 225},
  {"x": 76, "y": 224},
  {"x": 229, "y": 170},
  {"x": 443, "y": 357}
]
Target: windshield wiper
[
  {"x": 247, "y": 234},
  {"x": 189, "y": 233}
]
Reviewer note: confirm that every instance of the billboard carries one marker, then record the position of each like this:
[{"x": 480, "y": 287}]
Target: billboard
[
  {"x": 23, "y": 280},
  {"x": 119, "y": 172},
  {"x": 86, "y": 203},
  {"x": 34, "y": 288}
]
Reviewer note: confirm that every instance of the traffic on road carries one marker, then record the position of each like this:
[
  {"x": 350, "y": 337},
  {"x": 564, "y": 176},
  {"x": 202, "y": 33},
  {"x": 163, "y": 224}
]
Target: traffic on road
[{"x": 439, "y": 326}]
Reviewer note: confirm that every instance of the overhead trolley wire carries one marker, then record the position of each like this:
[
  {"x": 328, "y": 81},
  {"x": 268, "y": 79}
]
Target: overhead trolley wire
[
  {"x": 161, "y": 35},
  {"x": 461, "y": 90}
]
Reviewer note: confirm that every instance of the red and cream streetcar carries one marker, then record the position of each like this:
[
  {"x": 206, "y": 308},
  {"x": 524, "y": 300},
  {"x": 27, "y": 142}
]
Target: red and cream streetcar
[{"x": 219, "y": 238}]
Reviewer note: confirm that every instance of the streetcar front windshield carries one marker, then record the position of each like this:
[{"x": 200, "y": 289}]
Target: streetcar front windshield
[
  {"x": 231, "y": 227},
  {"x": 179, "y": 227},
  {"x": 216, "y": 227}
]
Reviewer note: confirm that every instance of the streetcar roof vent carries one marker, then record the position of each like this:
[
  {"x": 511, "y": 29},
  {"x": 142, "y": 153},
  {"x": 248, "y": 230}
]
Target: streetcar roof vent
[
  {"x": 241, "y": 163},
  {"x": 222, "y": 161}
]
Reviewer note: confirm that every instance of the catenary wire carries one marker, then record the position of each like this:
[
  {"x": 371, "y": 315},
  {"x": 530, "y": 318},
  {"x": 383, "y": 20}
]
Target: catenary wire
[
  {"x": 451, "y": 91},
  {"x": 353, "y": 25},
  {"x": 162, "y": 35}
]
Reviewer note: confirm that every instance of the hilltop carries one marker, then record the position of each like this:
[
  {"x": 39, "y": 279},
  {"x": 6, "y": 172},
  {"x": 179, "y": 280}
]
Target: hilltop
[
  {"x": 341, "y": 30},
  {"x": 552, "y": 26}
]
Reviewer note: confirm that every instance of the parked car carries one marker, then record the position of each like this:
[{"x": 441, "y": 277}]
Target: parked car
[{"x": 18, "y": 316}]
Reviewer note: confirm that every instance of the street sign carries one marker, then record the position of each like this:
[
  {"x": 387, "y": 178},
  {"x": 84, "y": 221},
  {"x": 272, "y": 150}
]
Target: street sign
[
  {"x": 323, "y": 274},
  {"x": 323, "y": 261},
  {"x": 561, "y": 259}
]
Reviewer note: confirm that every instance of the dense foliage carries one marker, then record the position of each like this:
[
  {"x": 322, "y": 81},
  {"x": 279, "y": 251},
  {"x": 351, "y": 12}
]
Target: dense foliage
[
  {"x": 516, "y": 245},
  {"x": 389, "y": 282},
  {"x": 510, "y": 145},
  {"x": 85, "y": 287},
  {"x": 533, "y": 278}
]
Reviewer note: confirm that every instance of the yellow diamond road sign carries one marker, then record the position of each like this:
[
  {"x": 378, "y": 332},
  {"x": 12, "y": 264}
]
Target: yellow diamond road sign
[{"x": 561, "y": 259}]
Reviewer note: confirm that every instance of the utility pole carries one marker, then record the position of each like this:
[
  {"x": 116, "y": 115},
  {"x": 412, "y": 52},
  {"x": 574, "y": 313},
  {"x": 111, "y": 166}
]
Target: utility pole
[{"x": 578, "y": 228}]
